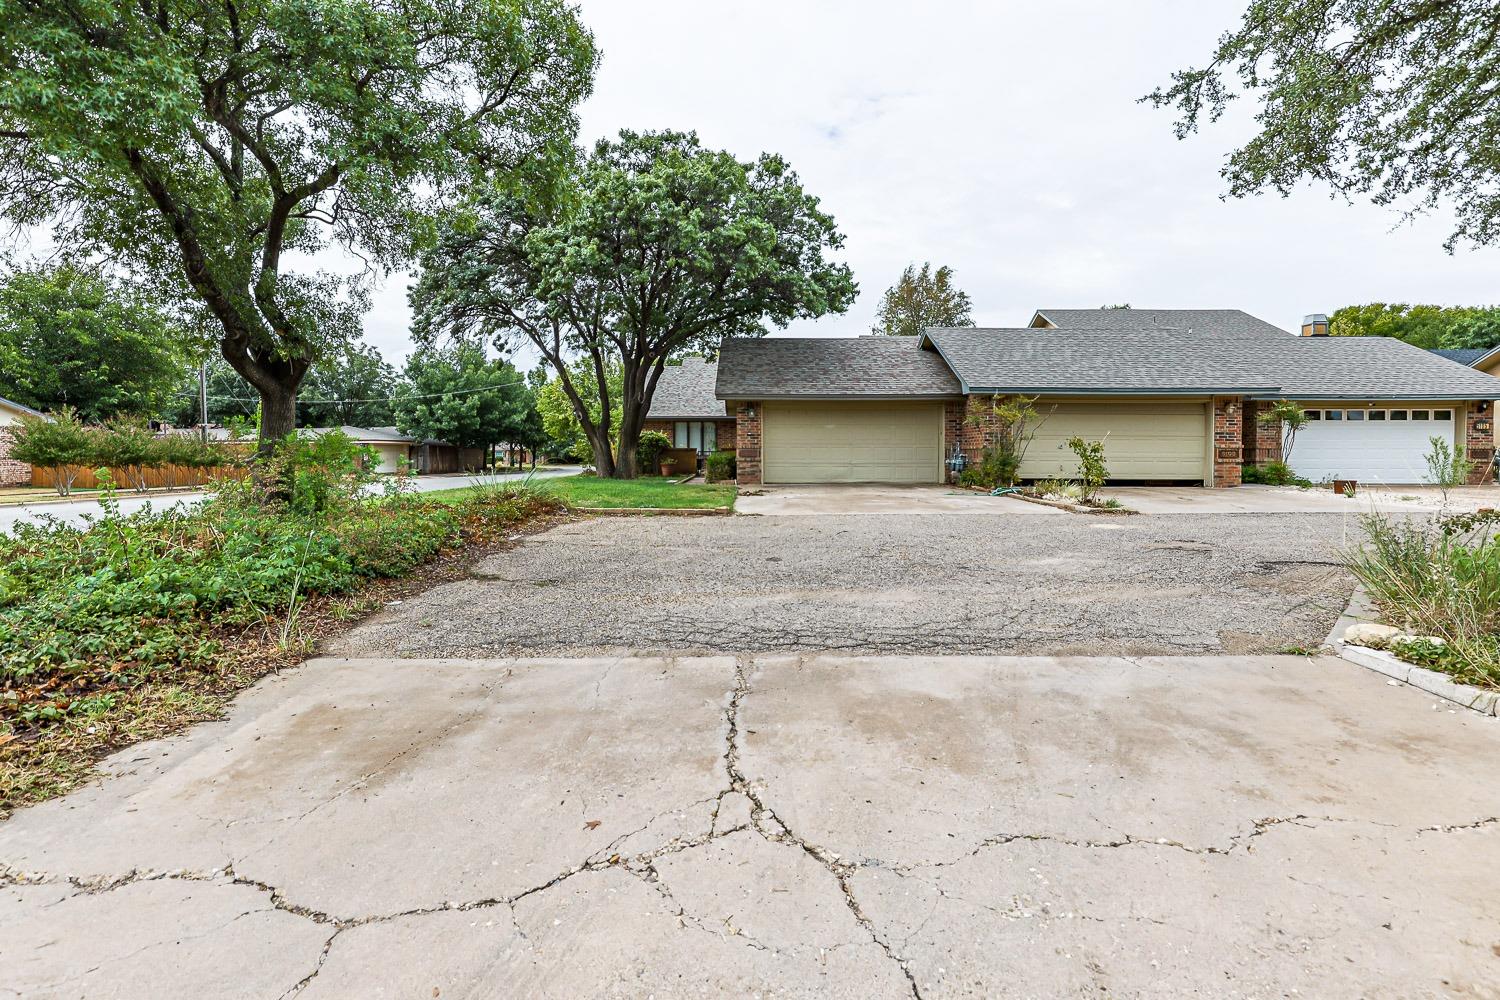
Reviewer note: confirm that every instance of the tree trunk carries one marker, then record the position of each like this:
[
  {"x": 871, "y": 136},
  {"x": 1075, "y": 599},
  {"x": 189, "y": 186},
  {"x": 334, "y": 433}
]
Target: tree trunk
[{"x": 278, "y": 417}]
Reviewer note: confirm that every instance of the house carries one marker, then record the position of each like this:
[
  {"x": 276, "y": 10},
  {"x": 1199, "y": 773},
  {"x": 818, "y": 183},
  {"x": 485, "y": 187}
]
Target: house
[
  {"x": 1484, "y": 359},
  {"x": 1174, "y": 394},
  {"x": 13, "y": 473},
  {"x": 685, "y": 409}
]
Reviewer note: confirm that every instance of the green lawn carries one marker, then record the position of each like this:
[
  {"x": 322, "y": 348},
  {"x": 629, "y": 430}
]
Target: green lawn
[{"x": 648, "y": 491}]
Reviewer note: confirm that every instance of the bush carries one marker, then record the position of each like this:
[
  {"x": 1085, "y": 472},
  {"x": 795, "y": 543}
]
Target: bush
[
  {"x": 975, "y": 477},
  {"x": 648, "y": 451},
  {"x": 1092, "y": 472},
  {"x": 61, "y": 444},
  {"x": 721, "y": 466},
  {"x": 128, "y": 446},
  {"x": 1273, "y": 474}
]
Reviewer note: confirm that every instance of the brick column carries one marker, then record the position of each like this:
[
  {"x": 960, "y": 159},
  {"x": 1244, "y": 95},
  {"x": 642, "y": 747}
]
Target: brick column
[
  {"x": 953, "y": 429},
  {"x": 1228, "y": 441},
  {"x": 12, "y": 473},
  {"x": 747, "y": 444},
  {"x": 1479, "y": 441}
]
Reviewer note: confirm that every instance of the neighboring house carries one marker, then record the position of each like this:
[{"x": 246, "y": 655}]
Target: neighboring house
[
  {"x": 13, "y": 473},
  {"x": 1484, "y": 359},
  {"x": 391, "y": 447},
  {"x": 1174, "y": 394},
  {"x": 685, "y": 409}
]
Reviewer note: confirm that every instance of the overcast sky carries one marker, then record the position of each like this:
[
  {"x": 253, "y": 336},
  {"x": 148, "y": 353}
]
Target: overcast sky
[{"x": 1003, "y": 139}]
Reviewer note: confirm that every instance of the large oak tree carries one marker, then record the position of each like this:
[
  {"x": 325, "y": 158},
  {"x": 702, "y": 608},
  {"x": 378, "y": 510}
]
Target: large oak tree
[
  {"x": 211, "y": 146},
  {"x": 655, "y": 247}
]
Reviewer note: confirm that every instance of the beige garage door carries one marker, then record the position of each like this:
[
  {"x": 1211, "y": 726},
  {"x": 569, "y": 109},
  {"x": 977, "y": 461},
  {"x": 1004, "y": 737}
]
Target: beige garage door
[
  {"x": 852, "y": 442},
  {"x": 1147, "y": 439}
]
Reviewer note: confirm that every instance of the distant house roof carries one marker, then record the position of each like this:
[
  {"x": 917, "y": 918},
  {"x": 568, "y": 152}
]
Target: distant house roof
[
  {"x": 1091, "y": 362},
  {"x": 686, "y": 392},
  {"x": 365, "y": 435},
  {"x": 831, "y": 368},
  {"x": 11, "y": 404},
  {"x": 1464, "y": 355},
  {"x": 1196, "y": 322}
]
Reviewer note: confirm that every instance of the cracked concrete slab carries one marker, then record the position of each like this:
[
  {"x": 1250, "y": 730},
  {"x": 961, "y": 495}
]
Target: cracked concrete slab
[{"x": 777, "y": 825}]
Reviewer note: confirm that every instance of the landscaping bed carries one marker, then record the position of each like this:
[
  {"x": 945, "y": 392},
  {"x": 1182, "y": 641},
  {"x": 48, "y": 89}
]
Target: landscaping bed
[{"x": 148, "y": 622}]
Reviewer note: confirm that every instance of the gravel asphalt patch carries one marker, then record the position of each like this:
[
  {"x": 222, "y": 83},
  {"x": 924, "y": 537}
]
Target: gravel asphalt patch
[{"x": 928, "y": 584}]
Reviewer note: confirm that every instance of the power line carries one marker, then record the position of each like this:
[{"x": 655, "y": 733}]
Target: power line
[{"x": 381, "y": 399}]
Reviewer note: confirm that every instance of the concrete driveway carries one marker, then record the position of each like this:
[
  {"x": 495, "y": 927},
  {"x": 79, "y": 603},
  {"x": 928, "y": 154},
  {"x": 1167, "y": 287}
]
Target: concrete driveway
[
  {"x": 856, "y": 499},
  {"x": 1255, "y": 499},
  {"x": 778, "y": 826}
]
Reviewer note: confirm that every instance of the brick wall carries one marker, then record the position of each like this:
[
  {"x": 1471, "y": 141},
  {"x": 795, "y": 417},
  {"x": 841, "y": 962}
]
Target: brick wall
[
  {"x": 953, "y": 429},
  {"x": 724, "y": 432},
  {"x": 1261, "y": 441},
  {"x": 1479, "y": 441},
  {"x": 1228, "y": 439},
  {"x": 12, "y": 473},
  {"x": 747, "y": 443}
]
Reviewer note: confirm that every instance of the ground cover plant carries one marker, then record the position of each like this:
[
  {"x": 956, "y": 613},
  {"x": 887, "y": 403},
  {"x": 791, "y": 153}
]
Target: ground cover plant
[
  {"x": 1437, "y": 580},
  {"x": 644, "y": 492},
  {"x": 147, "y": 621}
]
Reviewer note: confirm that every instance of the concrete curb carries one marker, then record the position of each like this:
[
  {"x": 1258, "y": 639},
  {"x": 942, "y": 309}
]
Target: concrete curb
[
  {"x": 1075, "y": 508},
  {"x": 86, "y": 496},
  {"x": 657, "y": 511},
  {"x": 1432, "y": 682}
]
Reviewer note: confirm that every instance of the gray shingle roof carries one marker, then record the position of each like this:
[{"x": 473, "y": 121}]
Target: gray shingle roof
[
  {"x": 1063, "y": 362},
  {"x": 686, "y": 392},
  {"x": 1184, "y": 321},
  {"x": 831, "y": 368},
  {"x": 1463, "y": 355}
]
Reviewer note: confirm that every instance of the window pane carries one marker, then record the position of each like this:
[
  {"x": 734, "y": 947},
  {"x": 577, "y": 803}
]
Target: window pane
[
  {"x": 1419, "y": 414},
  {"x": 1442, "y": 414},
  {"x": 1355, "y": 415},
  {"x": 1314, "y": 414},
  {"x": 1377, "y": 414},
  {"x": 710, "y": 437},
  {"x": 695, "y": 436},
  {"x": 1398, "y": 414},
  {"x": 1335, "y": 415},
  {"x": 680, "y": 434}
]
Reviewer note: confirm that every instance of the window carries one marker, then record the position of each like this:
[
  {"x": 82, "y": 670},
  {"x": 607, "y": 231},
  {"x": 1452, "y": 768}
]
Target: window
[
  {"x": 1334, "y": 415},
  {"x": 1377, "y": 415},
  {"x": 1420, "y": 415},
  {"x": 1398, "y": 414},
  {"x": 1354, "y": 415},
  {"x": 1442, "y": 414},
  {"x": 700, "y": 435},
  {"x": 1314, "y": 414}
]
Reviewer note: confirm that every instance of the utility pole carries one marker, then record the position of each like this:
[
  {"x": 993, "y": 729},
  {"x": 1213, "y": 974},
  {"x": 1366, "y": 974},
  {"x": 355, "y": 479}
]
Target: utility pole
[{"x": 203, "y": 401}]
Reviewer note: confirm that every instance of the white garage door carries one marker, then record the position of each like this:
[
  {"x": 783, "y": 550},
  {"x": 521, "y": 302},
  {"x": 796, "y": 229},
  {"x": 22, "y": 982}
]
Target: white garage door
[
  {"x": 1372, "y": 445},
  {"x": 1144, "y": 439},
  {"x": 852, "y": 442}
]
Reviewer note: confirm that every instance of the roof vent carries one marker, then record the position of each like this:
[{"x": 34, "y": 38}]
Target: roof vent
[{"x": 1315, "y": 325}]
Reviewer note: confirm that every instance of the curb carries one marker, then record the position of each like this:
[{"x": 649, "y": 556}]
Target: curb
[
  {"x": 1439, "y": 685},
  {"x": 657, "y": 511},
  {"x": 1075, "y": 508},
  {"x": 86, "y": 496}
]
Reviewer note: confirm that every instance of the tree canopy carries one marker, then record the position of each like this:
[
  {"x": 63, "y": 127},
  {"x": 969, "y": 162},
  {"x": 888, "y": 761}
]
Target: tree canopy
[
  {"x": 655, "y": 247},
  {"x": 1426, "y": 326},
  {"x": 564, "y": 431},
  {"x": 920, "y": 299},
  {"x": 351, "y": 385},
  {"x": 458, "y": 396},
  {"x": 1395, "y": 101},
  {"x": 72, "y": 336},
  {"x": 213, "y": 147}
]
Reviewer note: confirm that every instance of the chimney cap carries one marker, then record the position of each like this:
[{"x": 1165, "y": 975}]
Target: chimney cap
[{"x": 1314, "y": 318}]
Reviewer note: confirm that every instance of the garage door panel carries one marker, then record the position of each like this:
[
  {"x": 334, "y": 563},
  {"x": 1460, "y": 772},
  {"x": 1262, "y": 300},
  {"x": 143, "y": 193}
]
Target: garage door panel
[
  {"x": 1383, "y": 450},
  {"x": 1142, "y": 440},
  {"x": 852, "y": 442}
]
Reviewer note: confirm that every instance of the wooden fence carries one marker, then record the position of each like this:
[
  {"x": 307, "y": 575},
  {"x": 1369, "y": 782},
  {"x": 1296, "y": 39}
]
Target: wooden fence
[{"x": 156, "y": 477}]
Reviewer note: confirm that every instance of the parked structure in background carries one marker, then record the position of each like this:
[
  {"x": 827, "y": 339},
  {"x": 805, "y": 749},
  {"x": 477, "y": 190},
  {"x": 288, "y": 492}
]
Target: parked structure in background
[
  {"x": 1174, "y": 394},
  {"x": 13, "y": 473}
]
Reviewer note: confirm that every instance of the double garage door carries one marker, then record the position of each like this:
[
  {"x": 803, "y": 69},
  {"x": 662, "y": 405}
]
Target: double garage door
[
  {"x": 1380, "y": 444},
  {"x": 876, "y": 442}
]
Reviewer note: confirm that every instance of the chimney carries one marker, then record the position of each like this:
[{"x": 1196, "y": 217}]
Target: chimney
[{"x": 1315, "y": 325}]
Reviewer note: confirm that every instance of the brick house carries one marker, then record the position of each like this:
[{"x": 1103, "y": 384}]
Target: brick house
[
  {"x": 685, "y": 409},
  {"x": 12, "y": 473},
  {"x": 1174, "y": 394}
]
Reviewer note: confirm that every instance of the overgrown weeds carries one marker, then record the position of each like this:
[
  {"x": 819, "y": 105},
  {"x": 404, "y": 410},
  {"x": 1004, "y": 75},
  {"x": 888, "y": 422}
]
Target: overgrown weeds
[
  {"x": 146, "y": 621},
  {"x": 1441, "y": 580}
]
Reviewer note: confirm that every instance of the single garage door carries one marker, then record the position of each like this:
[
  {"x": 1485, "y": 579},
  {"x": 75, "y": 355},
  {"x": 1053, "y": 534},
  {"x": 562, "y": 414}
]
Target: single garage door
[
  {"x": 1370, "y": 444},
  {"x": 1145, "y": 439},
  {"x": 852, "y": 442}
]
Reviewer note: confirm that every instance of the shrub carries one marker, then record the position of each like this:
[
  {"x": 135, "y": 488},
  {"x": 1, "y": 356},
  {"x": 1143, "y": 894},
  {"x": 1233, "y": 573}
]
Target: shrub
[
  {"x": 1008, "y": 432},
  {"x": 128, "y": 446},
  {"x": 648, "y": 451},
  {"x": 1291, "y": 418},
  {"x": 61, "y": 444},
  {"x": 1445, "y": 468},
  {"x": 1273, "y": 474},
  {"x": 720, "y": 466},
  {"x": 1092, "y": 471},
  {"x": 974, "y": 476}
]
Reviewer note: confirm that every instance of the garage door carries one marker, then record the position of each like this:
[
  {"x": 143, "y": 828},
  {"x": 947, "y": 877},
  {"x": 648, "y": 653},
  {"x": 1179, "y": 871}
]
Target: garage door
[
  {"x": 852, "y": 442},
  {"x": 1147, "y": 439},
  {"x": 1373, "y": 445}
]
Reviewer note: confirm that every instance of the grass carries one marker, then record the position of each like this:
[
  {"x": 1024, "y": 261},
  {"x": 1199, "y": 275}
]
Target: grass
[{"x": 648, "y": 491}]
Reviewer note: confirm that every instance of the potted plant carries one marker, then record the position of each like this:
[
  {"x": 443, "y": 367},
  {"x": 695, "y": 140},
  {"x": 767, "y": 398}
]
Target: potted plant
[
  {"x": 1345, "y": 487},
  {"x": 668, "y": 463}
]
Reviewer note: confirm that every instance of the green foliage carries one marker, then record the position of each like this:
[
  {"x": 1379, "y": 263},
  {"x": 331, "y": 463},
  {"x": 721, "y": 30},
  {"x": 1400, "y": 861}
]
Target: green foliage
[
  {"x": 128, "y": 446},
  {"x": 457, "y": 395},
  {"x": 349, "y": 386},
  {"x": 1445, "y": 467},
  {"x": 72, "y": 336},
  {"x": 1273, "y": 474},
  {"x": 920, "y": 299},
  {"x": 62, "y": 444},
  {"x": 1479, "y": 329},
  {"x": 1388, "y": 100},
  {"x": 974, "y": 476},
  {"x": 1291, "y": 418},
  {"x": 147, "y": 597},
  {"x": 654, "y": 248},
  {"x": 230, "y": 398},
  {"x": 227, "y": 141},
  {"x": 1092, "y": 471},
  {"x": 1425, "y": 326},
  {"x": 1008, "y": 433},
  {"x": 564, "y": 431},
  {"x": 721, "y": 466},
  {"x": 649, "y": 450},
  {"x": 1441, "y": 581}
]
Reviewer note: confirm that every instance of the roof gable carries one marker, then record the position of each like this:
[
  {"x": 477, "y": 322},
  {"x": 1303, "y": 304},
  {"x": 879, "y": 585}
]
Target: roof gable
[{"x": 686, "y": 392}]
